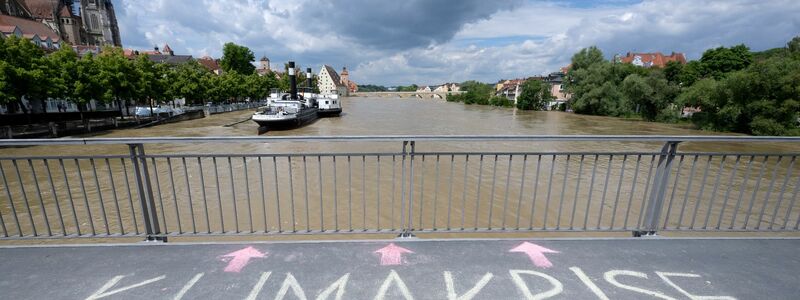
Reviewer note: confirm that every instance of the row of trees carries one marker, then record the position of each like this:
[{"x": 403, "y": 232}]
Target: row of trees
[
  {"x": 534, "y": 95},
  {"x": 734, "y": 89},
  {"x": 27, "y": 71}
]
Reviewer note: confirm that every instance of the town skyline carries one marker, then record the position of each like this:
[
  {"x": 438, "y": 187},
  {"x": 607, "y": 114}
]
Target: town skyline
[{"x": 422, "y": 42}]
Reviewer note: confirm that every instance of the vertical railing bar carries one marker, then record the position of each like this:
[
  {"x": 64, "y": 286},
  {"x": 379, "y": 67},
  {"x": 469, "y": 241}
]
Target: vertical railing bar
[
  {"x": 335, "y": 198},
  {"x": 277, "y": 193},
  {"x": 14, "y": 210},
  {"x": 783, "y": 191},
  {"x": 450, "y": 190},
  {"x": 55, "y": 197},
  {"x": 655, "y": 203},
  {"x": 28, "y": 206},
  {"x": 633, "y": 191},
  {"x": 688, "y": 191},
  {"x": 577, "y": 192},
  {"x": 116, "y": 201},
  {"x": 291, "y": 196},
  {"x": 263, "y": 193},
  {"x": 674, "y": 188},
  {"x": 435, "y": 193},
  {"x": 619, "y": 190},
  {"x": 160, "y": 197},
  {"x": 549, "y": 189},
  {"x": 421, "y": 192},
  {"x": 591, "y": 190},
  {"x": 130, "y": 196},
  {"x": 203, "y": 190},
  {"x": 321, "y": 204},
  {"x": 305, "y": 186},
  {"x": 714, "y": 191},
  {"x": 219, "y": 195},
  {"x": 99, "y": 195},
  {"x": 741, "y": 190},
  {"x": 491, "y": 194},
  {"x": 148, "y": 204},
  {"x": 700, "y": 194},
  {"x": 521, "y": 188},
  {"x": 728, "y": 191},
  {"x": 478, "y": 196},
  {"x": 350, "y": 194},
  {"x": 791, "y": 206},
  {"x": 41, "y": 200},
  {"x": 535, "y": 190},
  {"x": 247, "y": 192},
  {"x": 394, "y": 163},
  {"x": 363, "y": 192},
  {"x": 378, "y": 191},
  {"x": 233, "y": 193},
  {"x": 646, "y": 191},
  {"x": 411, "y": 187},
  {"x": 605, "y": 189},
  {"x": 403, "y": 189},
  {"x": 189, "y": 194},
  {"x": 464, "y": 193},
  {"x": 174, "y": 196},
  {"x": 755, "y": 191},
  {"x": 769, "y": 192},
  {"x": 563, "y": 193},
  {"x": 505, "y": 200}
]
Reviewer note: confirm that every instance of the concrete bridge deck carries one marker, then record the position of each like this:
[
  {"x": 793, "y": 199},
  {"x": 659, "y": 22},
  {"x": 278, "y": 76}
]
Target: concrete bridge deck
[{"x": 644, "y": 268}]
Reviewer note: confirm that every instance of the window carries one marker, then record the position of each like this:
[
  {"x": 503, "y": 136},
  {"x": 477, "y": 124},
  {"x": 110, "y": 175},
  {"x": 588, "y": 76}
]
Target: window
[
  {"x": 326, "y": 101},
  {"x": 94, "y": 22}
]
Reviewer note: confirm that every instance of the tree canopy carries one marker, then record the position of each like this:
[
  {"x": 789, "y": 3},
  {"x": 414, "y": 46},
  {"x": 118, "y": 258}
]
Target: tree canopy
[{"x": 236, "y": 58}]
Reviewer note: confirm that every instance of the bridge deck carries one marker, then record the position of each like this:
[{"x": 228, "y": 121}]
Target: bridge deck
[{"x": 483, "y": 269}]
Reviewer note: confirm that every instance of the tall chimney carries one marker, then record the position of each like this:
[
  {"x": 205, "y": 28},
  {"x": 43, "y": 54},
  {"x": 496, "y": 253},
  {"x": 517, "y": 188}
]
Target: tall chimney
[
  {"x": 292, "y": 81},
  {"x": 308, "y": 78}
]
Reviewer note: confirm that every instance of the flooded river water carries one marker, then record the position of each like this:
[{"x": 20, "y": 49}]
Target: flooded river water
[{"x": 330, "y": 186}]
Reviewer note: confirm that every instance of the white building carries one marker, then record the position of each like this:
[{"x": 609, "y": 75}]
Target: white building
[{"x": 329, "y": 82}]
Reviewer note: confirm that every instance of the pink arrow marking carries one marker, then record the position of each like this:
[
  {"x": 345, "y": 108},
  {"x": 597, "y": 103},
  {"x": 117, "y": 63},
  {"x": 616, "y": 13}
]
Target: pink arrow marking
[
  {"x": 240, "y": 258},
  {"x": 392, "y": 254},
  {"x": 535, "y": 253}
]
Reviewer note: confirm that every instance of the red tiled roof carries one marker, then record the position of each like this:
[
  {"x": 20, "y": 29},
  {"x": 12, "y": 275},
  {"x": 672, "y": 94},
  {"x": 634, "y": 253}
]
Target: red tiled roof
[
  {"x": 65, "y": 12},
  {"x": 30, "y": 28},
  {"x": 42, "y": 9},
  {"x": 209, "y": 63},
  {"x": 654, "y": 59},
  {"x": 167, "y": 49}
]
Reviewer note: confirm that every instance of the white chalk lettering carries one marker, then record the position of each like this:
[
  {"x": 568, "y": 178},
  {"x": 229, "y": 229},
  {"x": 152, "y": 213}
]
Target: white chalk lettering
[
  {"x": 451, "y": 290},
  {"x": 337, "y": 286},
  {"x": 610, "y": 277},
  {"x": 188, "y": 286},
  {"x": 102, "y": 291},
  {"x": 393, "y": 278},
  {"x": 589, "y": 283},
  {"x": 290, "y": 281},
  {"x": 523, "y": 287},
  {"x": 665, "y": 276},
  {"x": 259, "y": 285}
]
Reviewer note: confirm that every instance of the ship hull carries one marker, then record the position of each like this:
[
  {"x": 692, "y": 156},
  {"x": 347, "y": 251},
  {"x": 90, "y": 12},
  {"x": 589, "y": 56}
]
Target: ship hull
[
  {"x": 302, "y": 118},
  {"x": 333, "y": 112}
]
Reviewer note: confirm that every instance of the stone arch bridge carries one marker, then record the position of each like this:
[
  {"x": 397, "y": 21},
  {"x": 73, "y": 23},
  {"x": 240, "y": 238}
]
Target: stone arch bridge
[{"x": 419, "y": 95}]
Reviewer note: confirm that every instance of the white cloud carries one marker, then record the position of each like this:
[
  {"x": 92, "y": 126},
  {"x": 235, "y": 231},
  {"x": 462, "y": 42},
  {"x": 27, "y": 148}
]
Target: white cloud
[{"x": 385, "y": 43}]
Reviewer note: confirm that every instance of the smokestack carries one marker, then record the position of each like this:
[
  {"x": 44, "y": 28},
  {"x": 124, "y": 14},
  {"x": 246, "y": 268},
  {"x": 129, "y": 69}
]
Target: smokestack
[
  {"x": 308, "y": 78},
  {"x": 292, "y": 81}
]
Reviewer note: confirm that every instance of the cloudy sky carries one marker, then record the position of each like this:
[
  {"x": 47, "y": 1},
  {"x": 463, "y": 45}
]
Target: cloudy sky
[{"x": 399, "y": 42}]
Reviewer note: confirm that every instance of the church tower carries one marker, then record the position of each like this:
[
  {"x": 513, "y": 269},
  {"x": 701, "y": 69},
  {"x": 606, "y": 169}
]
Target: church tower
[
  {"x": 264, "y": 63},
  {"x": 345, "y": 76}
]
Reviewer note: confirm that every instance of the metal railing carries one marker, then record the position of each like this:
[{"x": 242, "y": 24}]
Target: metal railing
[
  {"x": 402, "y": 192},
  {"x": 221, "y": 108}
]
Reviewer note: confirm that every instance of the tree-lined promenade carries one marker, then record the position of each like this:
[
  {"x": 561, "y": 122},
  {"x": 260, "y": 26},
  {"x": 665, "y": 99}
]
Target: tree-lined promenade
[
  {"x": 109, "y": 77},
  {"x": 731, "y": 89}
]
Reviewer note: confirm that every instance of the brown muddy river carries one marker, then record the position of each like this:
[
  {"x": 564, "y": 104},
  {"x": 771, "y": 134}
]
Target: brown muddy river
[{"x": 330, "y": 186}]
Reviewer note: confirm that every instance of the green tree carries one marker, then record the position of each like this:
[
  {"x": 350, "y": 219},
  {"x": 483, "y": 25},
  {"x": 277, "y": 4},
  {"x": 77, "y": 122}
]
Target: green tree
[
  {"x": 89, "y": 85},
  {"x": 651, "y": 95},
  {"x": 673, "y": 71},
  {"x": 118, "y": 77},
  {"x": 534, "y": 96},
  {"x": 719, "y": 61},
  {"x": 586, "y": 58},
  {"x": 23, "y": 73},
  {"x": 236, "y": 58},
  {"x": 191, "y": 82}
]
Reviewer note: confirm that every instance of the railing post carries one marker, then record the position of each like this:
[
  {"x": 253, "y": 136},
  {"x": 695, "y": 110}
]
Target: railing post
[
  {"x": 407, "y": 219},
  {"x": 655, "y": 201},
  {"x": 145, "y": 190}
]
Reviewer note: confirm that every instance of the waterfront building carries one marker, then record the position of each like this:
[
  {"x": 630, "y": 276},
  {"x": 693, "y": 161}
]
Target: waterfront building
[
  {"x": 36, "y": 32},
  {"x": 164, "y": 55},
  {"x": 330, "y": 82},
  {"x": 649, "y": 60},
  {"x": 94, "y": 24},
  {"x": 211, "y": 64},
  {"x": 352, "y": 87}
]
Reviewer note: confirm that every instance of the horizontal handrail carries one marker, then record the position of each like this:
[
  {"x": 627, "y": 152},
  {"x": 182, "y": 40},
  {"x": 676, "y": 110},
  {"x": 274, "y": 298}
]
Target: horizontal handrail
[{"x": 394, "y": 138}]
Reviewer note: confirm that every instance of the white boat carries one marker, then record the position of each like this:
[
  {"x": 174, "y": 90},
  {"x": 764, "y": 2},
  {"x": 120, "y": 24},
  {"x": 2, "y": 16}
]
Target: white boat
[{"x": 329, "y": 105}]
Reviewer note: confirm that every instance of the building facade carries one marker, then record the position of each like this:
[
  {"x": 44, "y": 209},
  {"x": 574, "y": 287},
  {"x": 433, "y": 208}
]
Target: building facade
[
  {"x": 329, "y": 82},
  {"x": 87, "y": 23},
  {"x": 100, "y": 22},
  {"x": 649, "y": 60}
]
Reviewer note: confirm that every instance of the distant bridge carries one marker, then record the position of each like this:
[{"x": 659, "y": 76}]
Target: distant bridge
[{"x": 420, "y": 95}]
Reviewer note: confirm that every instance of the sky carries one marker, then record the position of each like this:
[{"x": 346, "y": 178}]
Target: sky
[{"x": 427, "y": 42}]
